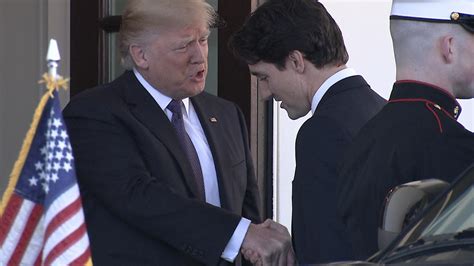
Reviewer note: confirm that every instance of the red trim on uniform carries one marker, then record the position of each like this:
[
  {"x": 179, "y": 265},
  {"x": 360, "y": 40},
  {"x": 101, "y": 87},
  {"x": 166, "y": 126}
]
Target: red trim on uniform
[
  {"x": 8, "y": 217},
  {"x": 436, "y": 116},
  {"x": 447, "y": 113},
  {"x": 421, "y": 100},
  {"x": 26, "y": 235},
  {"x": 429, "y": 105},
  {"x": 428, "y": 84}
]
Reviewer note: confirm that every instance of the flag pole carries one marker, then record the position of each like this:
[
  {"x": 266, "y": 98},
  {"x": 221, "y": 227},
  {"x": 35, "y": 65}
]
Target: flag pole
[{"x": 52, "y": 79}]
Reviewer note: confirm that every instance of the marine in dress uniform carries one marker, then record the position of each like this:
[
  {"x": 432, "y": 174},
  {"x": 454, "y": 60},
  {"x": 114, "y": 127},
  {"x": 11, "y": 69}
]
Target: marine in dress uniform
[{"x": 415, "y": 136}]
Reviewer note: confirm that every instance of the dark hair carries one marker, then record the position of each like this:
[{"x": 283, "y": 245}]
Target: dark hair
[{"x": 279, "y": 27}]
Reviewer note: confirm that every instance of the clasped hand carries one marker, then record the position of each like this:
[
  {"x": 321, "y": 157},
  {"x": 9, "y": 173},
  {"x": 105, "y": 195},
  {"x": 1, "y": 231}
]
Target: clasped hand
[{"x": 268, "y": 243}]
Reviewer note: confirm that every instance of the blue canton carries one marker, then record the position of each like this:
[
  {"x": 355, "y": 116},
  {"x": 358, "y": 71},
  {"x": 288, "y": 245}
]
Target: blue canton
[{"x": 49, "y": 167}]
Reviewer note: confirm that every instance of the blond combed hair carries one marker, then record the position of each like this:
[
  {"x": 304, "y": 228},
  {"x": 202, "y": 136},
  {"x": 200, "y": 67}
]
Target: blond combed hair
[{"x": 142, "y": 20}]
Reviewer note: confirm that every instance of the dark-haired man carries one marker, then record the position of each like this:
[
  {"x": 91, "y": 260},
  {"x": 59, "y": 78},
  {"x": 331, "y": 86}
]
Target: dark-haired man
[
  {"x": 416, "y": 135},
  {"x": 296, "y": 50}
]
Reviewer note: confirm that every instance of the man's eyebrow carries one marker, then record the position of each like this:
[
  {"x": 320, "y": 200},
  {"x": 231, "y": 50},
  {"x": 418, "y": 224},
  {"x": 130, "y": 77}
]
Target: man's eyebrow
[
  {"x": 189, "y": 39},
  {"x": 183, "y": 41}
]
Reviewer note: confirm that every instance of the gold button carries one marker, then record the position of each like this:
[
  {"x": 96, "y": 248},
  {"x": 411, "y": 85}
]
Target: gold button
[
  {"x": 455, "y": 16},
  {"x": 456, "y": 111}
]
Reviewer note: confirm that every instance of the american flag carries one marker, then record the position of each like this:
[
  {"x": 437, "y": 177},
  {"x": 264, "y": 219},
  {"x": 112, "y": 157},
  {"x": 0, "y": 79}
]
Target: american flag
[{"x": 41, "y": 218}]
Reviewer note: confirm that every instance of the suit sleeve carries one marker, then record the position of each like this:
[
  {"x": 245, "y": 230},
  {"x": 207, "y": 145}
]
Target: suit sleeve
[{"x": 110, "y": 167}]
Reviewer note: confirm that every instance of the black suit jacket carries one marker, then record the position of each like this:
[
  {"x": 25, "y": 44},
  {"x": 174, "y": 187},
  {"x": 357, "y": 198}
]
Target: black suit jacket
[
  {"x": 318, "y": 234},
  {"x": 138, "y": 194}
]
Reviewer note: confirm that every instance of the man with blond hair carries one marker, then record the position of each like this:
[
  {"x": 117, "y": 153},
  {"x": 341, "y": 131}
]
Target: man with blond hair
[
  {"x": 164, "y": 168},
  {"x": 416, "y": 135}
]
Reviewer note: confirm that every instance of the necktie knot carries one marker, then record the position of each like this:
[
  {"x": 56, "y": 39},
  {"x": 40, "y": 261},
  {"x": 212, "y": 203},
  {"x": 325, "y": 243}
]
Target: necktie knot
[{"x": 175, "y": 107}]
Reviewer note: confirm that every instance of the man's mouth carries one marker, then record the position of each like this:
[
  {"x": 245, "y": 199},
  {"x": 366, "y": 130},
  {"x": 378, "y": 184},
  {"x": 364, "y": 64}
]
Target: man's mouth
[{"x": 199, "y": 76}]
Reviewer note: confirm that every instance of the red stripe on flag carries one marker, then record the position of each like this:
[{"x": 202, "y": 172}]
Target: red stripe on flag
[
  {"x": 81, "y": 260},
  {"x": 38, "y": 259},
  {"x": 65, "y": 244},
  {"x": 62, "y": 216},
  {"x": 11, "y": 211},
  {"x": 26, "y": 235}
]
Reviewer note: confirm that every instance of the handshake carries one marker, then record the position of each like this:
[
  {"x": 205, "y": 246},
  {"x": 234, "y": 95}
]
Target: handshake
[{"x": 268, "y": 243}]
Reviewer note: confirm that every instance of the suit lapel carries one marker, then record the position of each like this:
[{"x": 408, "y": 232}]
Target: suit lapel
[
  {"x": 209, "y": 118},
  {"x": 149, "y": 113}
]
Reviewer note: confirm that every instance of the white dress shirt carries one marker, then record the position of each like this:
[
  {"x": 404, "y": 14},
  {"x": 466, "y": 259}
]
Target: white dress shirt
[
  {"x": 194, "y": 129},
  {"x": 340, "y": 75}
]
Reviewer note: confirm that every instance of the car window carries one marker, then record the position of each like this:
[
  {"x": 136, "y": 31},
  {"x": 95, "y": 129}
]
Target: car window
[{"x": 458, "y": 216}]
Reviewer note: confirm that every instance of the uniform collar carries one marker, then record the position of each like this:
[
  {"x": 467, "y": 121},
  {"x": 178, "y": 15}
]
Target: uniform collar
[{"x": 410, "y": 90}]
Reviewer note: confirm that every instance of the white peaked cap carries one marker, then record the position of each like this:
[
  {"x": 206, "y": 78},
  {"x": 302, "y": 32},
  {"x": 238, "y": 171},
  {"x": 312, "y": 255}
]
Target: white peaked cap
[{"x": 431, "y": 9}]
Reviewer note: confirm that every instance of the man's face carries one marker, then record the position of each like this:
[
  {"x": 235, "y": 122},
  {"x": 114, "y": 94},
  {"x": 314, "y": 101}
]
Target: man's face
[
  {"x": 177, "y": 60},
  {"x": 285, "y": 85},
  {"x": 466, "y": 67}
]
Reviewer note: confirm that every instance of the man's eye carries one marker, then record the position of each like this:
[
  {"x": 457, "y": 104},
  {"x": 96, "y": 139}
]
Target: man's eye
[
  {"x": 203, "y": 41},
  {"x": 262, "y": 78},
  {"x": 182, "y": 48}
]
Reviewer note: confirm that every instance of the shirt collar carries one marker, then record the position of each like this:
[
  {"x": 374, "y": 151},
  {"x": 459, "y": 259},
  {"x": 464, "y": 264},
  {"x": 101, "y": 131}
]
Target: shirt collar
[
  {"x": 161, "y": 99},
  {"x": 340, "y": 75}
]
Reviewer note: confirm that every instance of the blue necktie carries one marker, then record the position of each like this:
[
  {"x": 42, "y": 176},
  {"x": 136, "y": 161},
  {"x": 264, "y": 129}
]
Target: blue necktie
[{"x": 177, "y": 120}]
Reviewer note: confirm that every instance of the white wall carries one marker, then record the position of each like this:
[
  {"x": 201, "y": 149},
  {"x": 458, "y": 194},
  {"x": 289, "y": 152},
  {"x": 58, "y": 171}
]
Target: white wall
[{"x": 365, "y": 27}]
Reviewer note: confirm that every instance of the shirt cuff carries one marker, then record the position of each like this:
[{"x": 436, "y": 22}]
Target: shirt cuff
[{"x": 233, "y": 246}]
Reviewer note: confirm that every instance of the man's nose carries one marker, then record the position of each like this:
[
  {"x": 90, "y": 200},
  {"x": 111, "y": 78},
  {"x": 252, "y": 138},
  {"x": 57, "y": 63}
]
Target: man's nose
[{"x": 199, "y": 53}]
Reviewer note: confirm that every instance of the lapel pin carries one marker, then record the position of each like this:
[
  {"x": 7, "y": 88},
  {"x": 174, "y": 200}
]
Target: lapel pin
[{"x": 213, "y": 120}]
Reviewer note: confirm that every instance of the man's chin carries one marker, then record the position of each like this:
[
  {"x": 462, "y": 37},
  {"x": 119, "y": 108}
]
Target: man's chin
[
  {"x": 193, "y": 91},
  {"x": 293, "y": 115}
]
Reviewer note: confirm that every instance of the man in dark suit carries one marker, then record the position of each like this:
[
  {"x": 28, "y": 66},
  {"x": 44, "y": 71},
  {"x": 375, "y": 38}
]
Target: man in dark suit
[
  {"x": 164, "y": 168},
  {"x": 296, "y": 50},
  {"x": 416, "y": 135}
]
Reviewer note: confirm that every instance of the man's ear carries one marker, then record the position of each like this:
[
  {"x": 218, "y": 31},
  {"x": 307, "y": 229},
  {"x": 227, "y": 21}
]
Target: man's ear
[
  {"x": 137, "y": 52},
  {"x": 447, "y": 48},
  {"x": 296, "y": 61}
]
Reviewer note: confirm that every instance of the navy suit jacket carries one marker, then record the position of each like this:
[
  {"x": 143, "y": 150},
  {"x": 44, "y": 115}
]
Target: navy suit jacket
[
  {"x": 318, "y": 234},
  {"x": 140, "y": 201}
]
